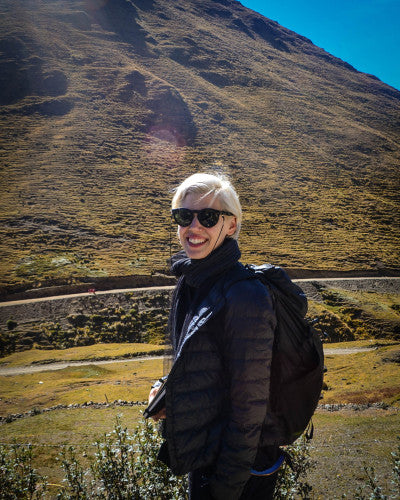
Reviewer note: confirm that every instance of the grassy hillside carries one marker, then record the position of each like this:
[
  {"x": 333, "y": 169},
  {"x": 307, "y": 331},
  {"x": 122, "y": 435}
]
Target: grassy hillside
[{"x": 106, "y": 106}]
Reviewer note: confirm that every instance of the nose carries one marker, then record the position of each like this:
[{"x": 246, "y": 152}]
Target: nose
[{"x": 195, "y": 222}]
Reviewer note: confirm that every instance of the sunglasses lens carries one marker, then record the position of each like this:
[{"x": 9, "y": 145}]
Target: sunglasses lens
[
  {"x": 208, "y": 217},
  {"x": 182, "y": 216}
]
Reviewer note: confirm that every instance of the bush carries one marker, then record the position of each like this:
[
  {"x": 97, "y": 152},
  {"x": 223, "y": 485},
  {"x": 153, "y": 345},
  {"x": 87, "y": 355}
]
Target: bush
[
  {"x": 18, "y": 479},
  {"x": 77, "y": 320},
  {"x": 332, "y": 328},
  {"x": 11, "y": 324},
  {"x": 292, "y": 478},
  {"x": 124, "y": 467},
  {"x": 7, "y": 343},
  {"x": 372, "y": 486}
]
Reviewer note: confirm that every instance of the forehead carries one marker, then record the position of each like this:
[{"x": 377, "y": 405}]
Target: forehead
[{"x": 199, "y": 201}]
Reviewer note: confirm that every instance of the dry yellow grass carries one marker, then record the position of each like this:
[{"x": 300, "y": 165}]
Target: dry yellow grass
[
  {"x": 96, "y": 351},
  {"x": 311, "y": 144},
  {"x": 360, "y": 377},
  {"x": 129, "y": 381},
  {"x": 363, "y": 377}
]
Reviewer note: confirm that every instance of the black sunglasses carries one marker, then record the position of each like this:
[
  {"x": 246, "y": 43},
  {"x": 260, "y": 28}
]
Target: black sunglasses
[{"x": 207, "y": 217}]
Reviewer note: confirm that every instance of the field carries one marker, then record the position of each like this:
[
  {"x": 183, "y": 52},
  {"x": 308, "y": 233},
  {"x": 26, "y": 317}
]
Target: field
[{"x": 345, "y": 440}]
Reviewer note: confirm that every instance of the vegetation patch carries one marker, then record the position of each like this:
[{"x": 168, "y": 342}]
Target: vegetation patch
[
  {"x": 128, "y": 381},
  {"x": 124, "y": 460},
  {"x": 346, "y": 315},
  {"x": 363, "y": 377},
  {"x": 344, "y": 444},
  {"x": 132, "y": 319}
]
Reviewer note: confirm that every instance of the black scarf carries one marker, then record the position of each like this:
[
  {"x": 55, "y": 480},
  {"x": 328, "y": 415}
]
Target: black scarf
[
  {"x": 196, "y": 276},
  {"x": 198, "y": 271}
]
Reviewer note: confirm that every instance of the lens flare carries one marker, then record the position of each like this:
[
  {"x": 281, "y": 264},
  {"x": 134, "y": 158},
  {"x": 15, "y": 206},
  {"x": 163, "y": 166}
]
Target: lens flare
[{"x": 165, "y": 144}]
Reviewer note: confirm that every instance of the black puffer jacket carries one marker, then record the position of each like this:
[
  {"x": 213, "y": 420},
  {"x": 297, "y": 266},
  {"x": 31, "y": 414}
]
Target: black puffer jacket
[{"x": 218, "y": 388}]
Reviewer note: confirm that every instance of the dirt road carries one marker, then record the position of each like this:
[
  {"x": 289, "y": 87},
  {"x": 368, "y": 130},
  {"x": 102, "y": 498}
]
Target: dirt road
[
  {"x": 394, "y": 281},
  {"x": 60, "y": 365}
]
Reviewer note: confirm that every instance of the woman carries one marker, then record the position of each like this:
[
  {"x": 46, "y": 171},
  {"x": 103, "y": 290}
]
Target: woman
[{"x": 222, "y": 331}]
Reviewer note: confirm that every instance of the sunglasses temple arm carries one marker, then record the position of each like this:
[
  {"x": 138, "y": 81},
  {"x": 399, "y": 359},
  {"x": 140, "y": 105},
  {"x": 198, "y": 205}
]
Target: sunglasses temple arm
[
  {"x": 170, "y": 238},
  {"x": 222, "y": 227}
]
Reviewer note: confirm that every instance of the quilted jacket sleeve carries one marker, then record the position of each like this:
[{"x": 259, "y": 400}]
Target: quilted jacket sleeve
[{"x": 249, "y": 323}]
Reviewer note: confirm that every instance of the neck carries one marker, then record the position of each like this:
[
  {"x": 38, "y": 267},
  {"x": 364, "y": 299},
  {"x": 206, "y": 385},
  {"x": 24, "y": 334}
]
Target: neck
[{"x": 198, "y": 271}]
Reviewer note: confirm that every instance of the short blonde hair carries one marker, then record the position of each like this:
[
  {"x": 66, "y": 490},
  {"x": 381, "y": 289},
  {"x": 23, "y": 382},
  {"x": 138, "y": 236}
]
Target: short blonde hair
[{"x": 215, "y": 184}]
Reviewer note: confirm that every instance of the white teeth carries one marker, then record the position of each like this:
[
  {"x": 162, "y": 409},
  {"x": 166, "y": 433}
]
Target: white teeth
[{"x": 196, "y": 241}]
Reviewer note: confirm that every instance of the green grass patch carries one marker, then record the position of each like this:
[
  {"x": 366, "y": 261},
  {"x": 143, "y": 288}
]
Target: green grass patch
[
  {"x": 77, "y": 426},
  {"x": 361, "y": 344},
  {"x": 350, "y": 315}
]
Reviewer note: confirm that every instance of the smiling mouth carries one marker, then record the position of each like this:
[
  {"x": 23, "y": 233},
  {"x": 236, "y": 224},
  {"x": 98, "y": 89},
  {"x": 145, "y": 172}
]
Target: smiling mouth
[{"x": 196, "y": 241}]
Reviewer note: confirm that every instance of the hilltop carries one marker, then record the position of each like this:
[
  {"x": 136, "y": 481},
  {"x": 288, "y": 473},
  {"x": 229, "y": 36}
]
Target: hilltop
[{"x": 105, "y": 106}]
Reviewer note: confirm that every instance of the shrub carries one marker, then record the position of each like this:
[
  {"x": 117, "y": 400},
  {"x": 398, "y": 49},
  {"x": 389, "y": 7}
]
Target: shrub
[
  {"x": 374, "y": 490},
  {"x": 331, "y": 327},
  {"x": 75, "y": 477},
  {"x": 7, "y": 343},
  {"x": 18, "y": 479},
  {"x": 292, "y": 478},
  {"x": 97, "y": 321},
  {"x": 11, "y": 324},
  {"x": 124, "y": 466},
  {"x": 77, "y": 320},
  {"x": 396, "y": 468}
]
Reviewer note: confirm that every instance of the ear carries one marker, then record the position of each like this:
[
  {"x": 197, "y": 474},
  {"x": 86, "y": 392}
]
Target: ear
[{"x": 232, "y": 226}]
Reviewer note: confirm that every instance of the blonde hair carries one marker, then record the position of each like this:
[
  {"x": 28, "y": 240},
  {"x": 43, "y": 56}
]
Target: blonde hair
[{"x": 214, "y": 184}]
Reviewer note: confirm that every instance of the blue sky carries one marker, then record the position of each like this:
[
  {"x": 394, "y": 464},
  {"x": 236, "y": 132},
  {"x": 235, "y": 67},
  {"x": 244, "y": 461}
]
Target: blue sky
[{"x": 364, "y": 33}]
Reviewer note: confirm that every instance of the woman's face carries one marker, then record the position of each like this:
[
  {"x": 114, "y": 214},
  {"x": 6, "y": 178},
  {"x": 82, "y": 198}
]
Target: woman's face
[{"x": 199, "y": 241}]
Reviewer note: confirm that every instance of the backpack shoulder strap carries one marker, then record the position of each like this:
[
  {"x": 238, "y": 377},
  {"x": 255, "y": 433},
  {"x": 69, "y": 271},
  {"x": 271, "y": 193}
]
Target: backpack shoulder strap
[{"x": 281, "y": 286}]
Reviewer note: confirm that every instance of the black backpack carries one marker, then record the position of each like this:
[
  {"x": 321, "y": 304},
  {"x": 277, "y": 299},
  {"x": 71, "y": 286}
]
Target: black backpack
[{"x": 298, "y": 360}]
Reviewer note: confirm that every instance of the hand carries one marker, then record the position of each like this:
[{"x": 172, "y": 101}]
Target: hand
[{"x": 161, "y": 414}]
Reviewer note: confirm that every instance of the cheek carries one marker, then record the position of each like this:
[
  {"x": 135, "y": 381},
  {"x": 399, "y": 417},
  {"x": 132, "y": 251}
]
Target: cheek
[{"x": 180, "y": 233}]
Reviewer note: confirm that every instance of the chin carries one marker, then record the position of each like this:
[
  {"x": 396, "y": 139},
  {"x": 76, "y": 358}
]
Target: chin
[{"x": 197, "y": 254}]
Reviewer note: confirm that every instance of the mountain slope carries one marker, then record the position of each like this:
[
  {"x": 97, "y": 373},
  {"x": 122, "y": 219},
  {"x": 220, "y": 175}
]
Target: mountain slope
[{"x": 107, "y": 105}]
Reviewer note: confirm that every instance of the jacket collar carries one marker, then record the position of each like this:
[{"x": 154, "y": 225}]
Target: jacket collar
[{"x": 212, "y": 303}]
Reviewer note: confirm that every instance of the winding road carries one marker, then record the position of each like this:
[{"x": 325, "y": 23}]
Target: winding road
[{"x": 60, "y": 365}]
